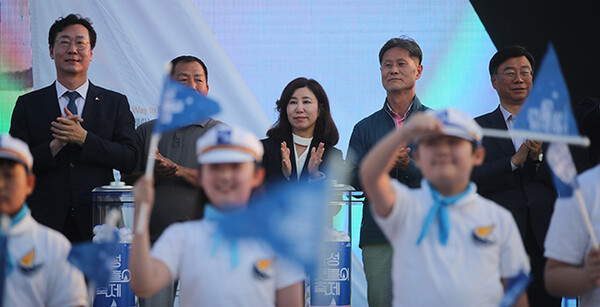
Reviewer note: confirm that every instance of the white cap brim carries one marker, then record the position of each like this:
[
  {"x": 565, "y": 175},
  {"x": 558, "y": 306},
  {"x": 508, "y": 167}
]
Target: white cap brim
[{"x": 225, "y": 155}]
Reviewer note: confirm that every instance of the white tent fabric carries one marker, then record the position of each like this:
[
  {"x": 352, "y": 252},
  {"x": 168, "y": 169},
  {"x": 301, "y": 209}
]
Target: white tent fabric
[{"x": 136, "y": 39}]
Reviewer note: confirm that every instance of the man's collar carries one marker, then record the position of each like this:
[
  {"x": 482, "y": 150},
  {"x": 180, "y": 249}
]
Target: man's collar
[
  {"x": 505, "y": 113},
  {"x": 82, "y": 90},
  {"x": 414, "y": 104}
]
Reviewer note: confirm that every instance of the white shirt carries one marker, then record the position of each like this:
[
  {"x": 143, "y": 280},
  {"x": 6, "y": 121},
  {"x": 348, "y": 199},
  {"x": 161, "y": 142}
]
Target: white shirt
[
  {"x": 63, "y": 100},
  {"x": 510, "y": 119},
  {"x": 567, "y": 239},
  {"x": 300, "y": 160},
  {"x": 483, "y": 246},
  {"x": 211, "y": 279},
  {"x": 42, "y": 276}
]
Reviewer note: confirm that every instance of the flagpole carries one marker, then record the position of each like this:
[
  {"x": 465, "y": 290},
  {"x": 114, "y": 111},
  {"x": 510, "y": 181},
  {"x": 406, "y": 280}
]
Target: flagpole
[
  {"x": 586, "y": 218},
  {"x": 526, "y": 134},
  {"x": 143, "y": 213}
]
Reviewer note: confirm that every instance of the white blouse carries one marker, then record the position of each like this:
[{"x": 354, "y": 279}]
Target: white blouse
[{"x": 302, "y": 158}]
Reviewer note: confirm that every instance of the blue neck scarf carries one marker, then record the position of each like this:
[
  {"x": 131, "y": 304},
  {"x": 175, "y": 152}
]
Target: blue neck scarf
[
  {"x": 20, "y": 215},
  {"x": 212, "y": 214},
  {"x": 10, "y": 263},
  {"x": 440, "y": 210}
]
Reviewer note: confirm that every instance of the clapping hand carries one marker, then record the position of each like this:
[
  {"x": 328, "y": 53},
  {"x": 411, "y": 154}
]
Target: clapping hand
[
  {"x": 68, "y": 128},
  {"x": 316, "y": 157},
  {"x": 286, "y": 163},
  {"x": 402, "y": 159},
  {"x": 164, "y": 167},
  {"x": 535, "y": 148}
]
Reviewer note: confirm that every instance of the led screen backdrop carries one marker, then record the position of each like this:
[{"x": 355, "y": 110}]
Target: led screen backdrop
[
  {"x": 337, "y": 43},
  {"x": 271, "y": 42}
]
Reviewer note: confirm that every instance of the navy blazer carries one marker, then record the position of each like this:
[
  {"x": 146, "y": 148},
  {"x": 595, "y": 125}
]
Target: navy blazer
[
  {"x": 272, "y": 161},
  {"x": 67, "y": 179},
  {"x": 527, "y": 190}
]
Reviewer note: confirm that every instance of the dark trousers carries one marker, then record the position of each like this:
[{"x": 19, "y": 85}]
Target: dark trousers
[{"x": 71, "y": 229}]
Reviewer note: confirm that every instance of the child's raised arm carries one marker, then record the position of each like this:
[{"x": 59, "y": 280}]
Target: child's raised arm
[
  {"x": 380, "y": 160},
  {"x": 148, "y": 275}
]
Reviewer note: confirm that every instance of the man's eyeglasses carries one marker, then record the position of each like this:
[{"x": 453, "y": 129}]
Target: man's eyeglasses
[
  {"x": 64, "y": 44},
  {"x": 511, "y": 74}
]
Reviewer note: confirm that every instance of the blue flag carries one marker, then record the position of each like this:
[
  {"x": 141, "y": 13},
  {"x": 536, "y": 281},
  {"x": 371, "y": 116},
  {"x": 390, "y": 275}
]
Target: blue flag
[
  {"x": 514, "y": 288},
  {"x": 4, "y": 264},
  {"x": 181, "y": 105},
  {"x": 548, "y": 107},
  {"x": 564, "y": 173},
  {"x": 95, "y": 260},
  {"x": 291, "y": 219}
]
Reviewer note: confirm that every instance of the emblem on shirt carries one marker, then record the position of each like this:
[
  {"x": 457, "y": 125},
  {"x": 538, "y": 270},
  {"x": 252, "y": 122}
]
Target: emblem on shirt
[
  {"x": 484, "y": 235},
  {"x": 26, "y": 264},
  {"x": 261, "y": 269}
]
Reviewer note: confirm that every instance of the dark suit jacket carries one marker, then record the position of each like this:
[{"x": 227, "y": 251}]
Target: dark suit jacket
[
  {"x": 587, "y": 114},
  {"x": 272, "y": 161},
  {"x": 527, "y": 190},
  {"x": 67, "y": 179}
]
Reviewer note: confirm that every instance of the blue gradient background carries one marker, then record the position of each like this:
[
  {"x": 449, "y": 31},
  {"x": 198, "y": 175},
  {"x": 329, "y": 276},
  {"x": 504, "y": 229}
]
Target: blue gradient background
[{"x": 337, "y": 43}]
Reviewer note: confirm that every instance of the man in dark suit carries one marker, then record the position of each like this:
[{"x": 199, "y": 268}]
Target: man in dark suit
[
  {"x": 514, "y": 173},
  {"x": 77, "y": 132}
]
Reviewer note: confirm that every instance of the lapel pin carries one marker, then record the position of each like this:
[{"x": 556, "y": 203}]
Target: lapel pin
[{"x": 97, "y": 99}]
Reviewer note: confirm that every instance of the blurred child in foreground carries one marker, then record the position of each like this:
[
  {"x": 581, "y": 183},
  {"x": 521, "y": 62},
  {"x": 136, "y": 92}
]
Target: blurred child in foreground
[
  {"x": 451, "y": 246},
  {"x": 212, "y": 271},
  {"x": 37, "y": 273}
]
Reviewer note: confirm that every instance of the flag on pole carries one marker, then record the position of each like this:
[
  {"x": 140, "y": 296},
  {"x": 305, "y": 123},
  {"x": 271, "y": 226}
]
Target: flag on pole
[
  {"x": 94, "y": 260},
  {"x": 291, "y": 219},
  {"x": 514, "y": 288},
  {"x": 181, "y": 105},
  {"x": 546, "y": 115},
  {"x": 6, "y": 265},
  {"x": 564, "y": 173},
  {"x": 548, "y": 107}
]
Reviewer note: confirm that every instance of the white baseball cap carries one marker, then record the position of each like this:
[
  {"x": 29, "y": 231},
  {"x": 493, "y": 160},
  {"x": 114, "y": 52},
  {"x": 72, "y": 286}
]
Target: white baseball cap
[
  {"x": 458, "y": 123},
  {"x": 14, "y": 149},
  {"x": 226, "y": 144}
]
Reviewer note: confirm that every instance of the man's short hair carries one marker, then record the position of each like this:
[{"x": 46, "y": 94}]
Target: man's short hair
[
  {"x": 188, "y": 59},
  {"x": 72, "y": 19},
  {"x": 510, "y": 52},
  {"x": 405, "y": 43}
]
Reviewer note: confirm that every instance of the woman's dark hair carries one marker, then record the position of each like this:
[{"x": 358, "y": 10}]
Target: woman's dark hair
[{"x": 325, "y": 129}]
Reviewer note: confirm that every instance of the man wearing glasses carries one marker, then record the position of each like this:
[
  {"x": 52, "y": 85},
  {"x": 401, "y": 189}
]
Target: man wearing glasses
[
  {"x": 77, "y": 132},
  {"x": 514, "y": 173}
]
